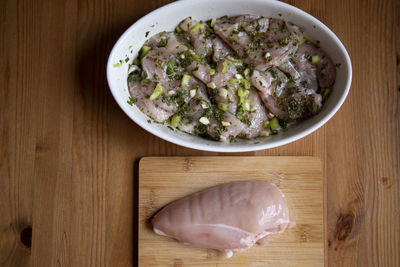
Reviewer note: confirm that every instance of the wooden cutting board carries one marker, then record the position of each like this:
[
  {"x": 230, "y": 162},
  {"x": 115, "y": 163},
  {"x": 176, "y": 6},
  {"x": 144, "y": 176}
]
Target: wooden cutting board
[{"x": 164, "y": 179}]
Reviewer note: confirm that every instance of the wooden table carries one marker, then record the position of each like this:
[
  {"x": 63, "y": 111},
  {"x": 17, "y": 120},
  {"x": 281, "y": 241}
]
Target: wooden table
[{"x": 68, "y": 154}]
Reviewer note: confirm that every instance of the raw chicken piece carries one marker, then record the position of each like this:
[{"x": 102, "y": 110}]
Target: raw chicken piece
[
  {"x": 283, "y": 98},
  {"x": 220, "y": 49},
  {"x": 263, "y": 42},
  {"x": 257, "y": 115},
  {"x": 230, "y": 217},
  {"x": 199, "y": 33},
  {"x": 145, "y": 104},
  {"x": 223, "y": 133},
  {"x": 323, "y": 69}
]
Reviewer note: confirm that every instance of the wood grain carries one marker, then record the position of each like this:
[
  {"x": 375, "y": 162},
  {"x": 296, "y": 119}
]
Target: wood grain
[
  {"x": 68, "y": 160},
  {"x": 165, "y": 179}
]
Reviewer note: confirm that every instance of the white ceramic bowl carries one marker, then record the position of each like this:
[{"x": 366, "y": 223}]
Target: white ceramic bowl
[{"x": 166, "y": 18}]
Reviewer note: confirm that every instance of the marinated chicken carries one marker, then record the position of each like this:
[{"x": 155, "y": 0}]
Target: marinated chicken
[
  {"x": 233, "y": 77},
  {"x": 230, "y": 217}
]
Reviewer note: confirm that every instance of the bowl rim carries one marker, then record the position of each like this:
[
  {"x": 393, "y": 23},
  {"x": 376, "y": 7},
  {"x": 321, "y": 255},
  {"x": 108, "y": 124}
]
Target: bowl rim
[{"x": 228, "y": 147}]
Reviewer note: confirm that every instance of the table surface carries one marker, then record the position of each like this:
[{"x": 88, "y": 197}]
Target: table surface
[{"x": 69, "y": 155}]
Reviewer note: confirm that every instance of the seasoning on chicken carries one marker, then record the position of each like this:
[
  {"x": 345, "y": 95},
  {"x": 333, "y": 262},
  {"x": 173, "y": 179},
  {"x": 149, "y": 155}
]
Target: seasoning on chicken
[{"x": 232, "y": 77}]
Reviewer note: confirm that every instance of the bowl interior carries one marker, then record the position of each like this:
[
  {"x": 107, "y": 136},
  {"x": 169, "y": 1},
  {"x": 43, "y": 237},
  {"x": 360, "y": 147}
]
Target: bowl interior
[{"x": 167, "y": 18}]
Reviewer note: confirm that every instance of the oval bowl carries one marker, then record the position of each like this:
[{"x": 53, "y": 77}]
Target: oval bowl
[{"x": 166, "y": 18}]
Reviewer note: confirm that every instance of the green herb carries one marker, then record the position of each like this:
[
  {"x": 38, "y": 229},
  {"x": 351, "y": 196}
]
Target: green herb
[
  {"x": 171, "y": 68},
  {"x": 273, "y": 73},
  {"x": 147, "y": 34},
  {"x": 162, "y": 42},
  {"x": 131, "y": 101},
  {"x": 307, "y": 56},
  {"x": 144, "y": 50}
]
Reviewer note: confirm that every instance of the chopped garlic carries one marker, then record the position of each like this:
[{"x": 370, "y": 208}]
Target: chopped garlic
[
  {"x": 238, "y": 76},
  {"x": 192, "y": 93},
  {"x": 204, "y": 104},
  {"x": 222, "y": 92},
  {"x": 204, "y": 120},
  {"x": 185, "y": 80},
  {"x": 229, "y": 254},
  {"x": 225, "y": 123},
  {"x": 211, "y": 85},
  {"x": 171, "y": 92},
  {"x": 265, "y": 133}
]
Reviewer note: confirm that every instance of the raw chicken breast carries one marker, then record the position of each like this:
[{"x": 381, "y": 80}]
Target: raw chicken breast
[
  {"x": 283, "y": 97},
  {"x": 262, "y": 42},
  {"x": 323, "y": 69},
  {"x": 230, "y": 217}
]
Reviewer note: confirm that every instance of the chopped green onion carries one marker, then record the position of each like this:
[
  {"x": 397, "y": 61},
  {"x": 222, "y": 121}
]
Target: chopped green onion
[
  {"x": 185, "y": 80},
  {"x": 274, "y": 123},
  {"x": 246, "y": 73},
  {"x": 246, "y": 104},
  {"x": 246, "y": 84},
  {"x": 230, "y": 58},
  {"x": 145, "y": 49},
  {"x": 117, "y": 64},
  {"x": 302, "y": 41},
  {"x": 242, "y": 93},
  {"x": 136, "y": 61},
  {"x": 157, "y": 91},
  {"x": 175, "y": 120},
  {"x": 170, "y": 67},
  {"x": 225, "y": 123},
  {"x": 213, "y": 21},
  {"x": 197, "y": 27},
  {"x": 326, "y": 93},
  {"x": 234, "y": 81},
  {"x": 314, "y": 59},
  {"x": 192, "y": 93},
  {"x": 224, "y": 67},
  {"x": 178, "y": 29},
  {"x": 222, "y": 106},
  {"x": 266, "y": 124},
  {"x": 212, "y": 71}
]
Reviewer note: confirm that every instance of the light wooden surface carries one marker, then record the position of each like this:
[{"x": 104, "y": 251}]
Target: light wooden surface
[
  {"x": 68, "y": 154},
  {"x": 163, "y": 180}
]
